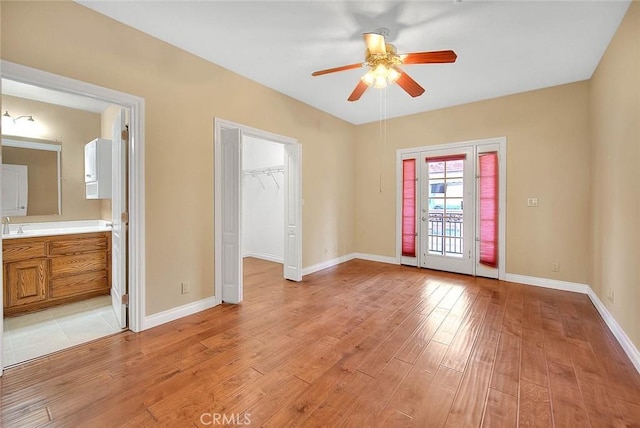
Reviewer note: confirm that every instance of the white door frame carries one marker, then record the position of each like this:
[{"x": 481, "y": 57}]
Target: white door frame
[
  {"x": 135, "y": 104},
  {"x": 219, "y": 125},
  {"x": 501, "y": 142}
]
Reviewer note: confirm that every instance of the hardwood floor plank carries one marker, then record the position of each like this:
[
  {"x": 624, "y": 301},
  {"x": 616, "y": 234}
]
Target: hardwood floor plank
[
  {"x": 419, "y": 340},
  {"x": 376, "y": 361},
  {"x": 566, "y": 398},
  {"x": 501, "y": 411},
  {"x": 340, "y": 401},
  {"x": 438, "y": 399},
  {"x": 411, "y": 394},
  {"x": 600, "y": 405},
  {"x": 470, "y": 400},
  {"x": 534, "y": 406},
  {"x": 358, "y": 344},
  {"x": 630, "y": 413},
  {"x": 369, "y": 405},
  {"x": 462, "y": 344},
  {"x": 533, "y": 363},
  {"x": 506, "y": 370}
]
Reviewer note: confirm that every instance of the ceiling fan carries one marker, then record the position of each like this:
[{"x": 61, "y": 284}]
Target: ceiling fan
[{"x": 384, "y": 65}]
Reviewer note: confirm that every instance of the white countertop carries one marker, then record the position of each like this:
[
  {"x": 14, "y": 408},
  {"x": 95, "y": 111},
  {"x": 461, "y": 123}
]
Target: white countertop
[{"x": 32, "y": 230}]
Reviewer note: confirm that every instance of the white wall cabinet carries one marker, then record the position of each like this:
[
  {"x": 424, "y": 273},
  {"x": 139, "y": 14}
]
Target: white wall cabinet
[{"x": 97, "y": 169}]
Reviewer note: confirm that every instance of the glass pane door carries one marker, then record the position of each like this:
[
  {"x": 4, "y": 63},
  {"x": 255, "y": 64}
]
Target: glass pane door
[{"x": 447, "y": 210}]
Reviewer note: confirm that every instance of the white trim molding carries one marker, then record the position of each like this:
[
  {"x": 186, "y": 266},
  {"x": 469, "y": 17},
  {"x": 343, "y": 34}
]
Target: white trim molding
[
  {"x": 308, "y": 270},
  {"x": 347, "y": 257},
  {"x": 547, "y": 283},
  {"x": 179, "y": 312},
  {"x": 624, "y": 340},
  {"x": 376, "y": 258},
  {"x": 263, "y": 256}
]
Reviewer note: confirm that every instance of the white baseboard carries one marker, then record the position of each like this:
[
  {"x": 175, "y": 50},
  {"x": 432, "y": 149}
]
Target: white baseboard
[
  {"x": 263, "y": 256},
  {"x": 179, "y": 312},
  {"x": 624, "y": 341},
  {"x": 342, "y": 259},
  {"x": 326, "y": 264},
  {"x": 376, "y": 258},
  {"x": 547, "y": 283},
  {"x": 629, "y": 348}
]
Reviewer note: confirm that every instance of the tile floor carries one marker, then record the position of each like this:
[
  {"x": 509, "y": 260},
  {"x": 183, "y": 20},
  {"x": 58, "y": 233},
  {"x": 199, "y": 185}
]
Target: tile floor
[{"x": 39, "y": 333}]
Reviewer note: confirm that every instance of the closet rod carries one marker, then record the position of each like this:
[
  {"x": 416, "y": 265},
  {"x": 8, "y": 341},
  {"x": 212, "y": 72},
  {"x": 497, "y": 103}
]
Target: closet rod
[{"x": 265, "y": 171}]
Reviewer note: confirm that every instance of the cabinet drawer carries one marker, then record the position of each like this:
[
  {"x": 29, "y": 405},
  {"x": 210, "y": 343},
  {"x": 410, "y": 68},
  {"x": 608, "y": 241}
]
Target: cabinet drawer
[
  {"x": 78, "y": 284},
  {"x": 75, "y": 245},
  {"x": 78, "y": 263},
  {"x": 22, "y": 249}
]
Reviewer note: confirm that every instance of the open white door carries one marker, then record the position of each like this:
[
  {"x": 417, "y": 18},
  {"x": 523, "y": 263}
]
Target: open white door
[
  {"x": 231, "y": 209},
  {"x": 293, "y": 214},
  {"x": 118, "y": 218},
  {"x": 14, "y": 190}
]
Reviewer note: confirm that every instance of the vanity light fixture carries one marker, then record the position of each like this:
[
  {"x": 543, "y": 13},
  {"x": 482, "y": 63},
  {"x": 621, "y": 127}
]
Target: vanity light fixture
[{"x": 6, "y": 116}]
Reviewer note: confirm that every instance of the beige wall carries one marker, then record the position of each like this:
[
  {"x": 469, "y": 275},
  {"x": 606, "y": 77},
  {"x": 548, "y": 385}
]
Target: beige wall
[
  {"x": 547, "y": 158},
  {"x": 615, "y": 165},
  {"x": 72, "y": 128},
  {"x": 183, "y": 94}
]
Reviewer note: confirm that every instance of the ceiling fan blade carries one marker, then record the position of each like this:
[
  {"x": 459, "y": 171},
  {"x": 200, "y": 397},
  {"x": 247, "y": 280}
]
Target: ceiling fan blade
[
  {"x": 358, "y": 91},
  {"x": 333, "y": 70},
  {"x": 429, "y": 57},
  {"x": 375, "y": 43},
  {"x": 409, "y": 85}
]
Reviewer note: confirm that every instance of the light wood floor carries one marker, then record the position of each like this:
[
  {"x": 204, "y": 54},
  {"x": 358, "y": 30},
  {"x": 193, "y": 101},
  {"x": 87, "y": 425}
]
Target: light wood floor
[{"x": 362, "y": 344}]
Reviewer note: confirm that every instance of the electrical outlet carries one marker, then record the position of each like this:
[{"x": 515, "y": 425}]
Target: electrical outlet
[
  {"x": 555, "y": 267},
  {"x": 610, "y": 295},
  {"x": 532, "y": 202},
  {"x": 186, "y": 287}
]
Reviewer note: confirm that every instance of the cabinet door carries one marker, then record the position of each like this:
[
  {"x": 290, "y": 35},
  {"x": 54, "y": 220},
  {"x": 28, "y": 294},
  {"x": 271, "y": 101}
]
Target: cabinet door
[
  {"x": 90, "y": 170},
  {"x": 25, "y": 282}
]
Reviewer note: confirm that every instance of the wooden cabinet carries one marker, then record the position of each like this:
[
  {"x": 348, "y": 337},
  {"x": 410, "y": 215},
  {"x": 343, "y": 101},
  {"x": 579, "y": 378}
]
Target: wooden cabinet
[
  {"x": 51, "y": 270},
  {"x": 26, "y": 282}
]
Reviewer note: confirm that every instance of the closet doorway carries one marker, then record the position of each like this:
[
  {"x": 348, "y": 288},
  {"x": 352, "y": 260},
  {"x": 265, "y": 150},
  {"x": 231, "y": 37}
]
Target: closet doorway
[
  {"x": 253, "y": 192},
  {"x": 262, "y": 200}
]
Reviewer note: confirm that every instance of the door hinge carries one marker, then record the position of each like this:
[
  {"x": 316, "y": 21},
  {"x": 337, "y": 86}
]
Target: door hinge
[
  {"x": 125, "y": 133},
  {"x": 124, "y": 218},
  {"x": 125, "y": 299}
]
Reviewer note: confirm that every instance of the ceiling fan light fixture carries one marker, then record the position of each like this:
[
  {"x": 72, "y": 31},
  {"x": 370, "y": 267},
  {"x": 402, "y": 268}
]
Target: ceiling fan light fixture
[
  {"x": 393, "y": 75},
  {"x": 368, "y": 78},
  {"x": 380, "y": 82}
]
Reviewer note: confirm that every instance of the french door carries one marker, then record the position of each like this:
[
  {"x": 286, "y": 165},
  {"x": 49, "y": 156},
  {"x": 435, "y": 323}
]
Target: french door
[
  {"x": 449, "y": 209},
  {"x": 446, "y": 210}
]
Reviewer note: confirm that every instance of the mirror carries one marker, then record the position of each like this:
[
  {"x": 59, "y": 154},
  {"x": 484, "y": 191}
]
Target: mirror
[{"x": 30, "y": 177}]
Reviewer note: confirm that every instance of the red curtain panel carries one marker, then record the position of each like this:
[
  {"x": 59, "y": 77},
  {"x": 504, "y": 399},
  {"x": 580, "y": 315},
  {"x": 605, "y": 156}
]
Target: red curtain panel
[{"x": 488, "y": 188}]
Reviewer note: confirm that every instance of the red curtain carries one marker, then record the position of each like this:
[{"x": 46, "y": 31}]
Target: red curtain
[
  {"x": 409, "y": 207},
  {"x": 488, "y": 188}
]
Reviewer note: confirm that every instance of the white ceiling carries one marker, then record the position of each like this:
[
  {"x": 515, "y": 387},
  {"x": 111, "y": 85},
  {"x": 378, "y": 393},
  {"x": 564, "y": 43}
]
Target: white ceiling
[{"x": 503, "y": 47}]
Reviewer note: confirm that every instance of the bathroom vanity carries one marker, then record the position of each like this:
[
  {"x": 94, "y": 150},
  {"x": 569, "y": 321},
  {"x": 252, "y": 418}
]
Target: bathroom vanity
[{"x": 43, "y": 268}]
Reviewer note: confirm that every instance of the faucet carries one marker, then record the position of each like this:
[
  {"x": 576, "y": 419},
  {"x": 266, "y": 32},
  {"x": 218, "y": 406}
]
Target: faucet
[{"x": 5, "y": 226}]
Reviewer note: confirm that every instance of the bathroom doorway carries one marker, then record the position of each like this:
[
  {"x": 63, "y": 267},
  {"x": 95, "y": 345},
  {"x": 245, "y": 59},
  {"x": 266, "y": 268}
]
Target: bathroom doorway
[{"x": 96, "y": 313}]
